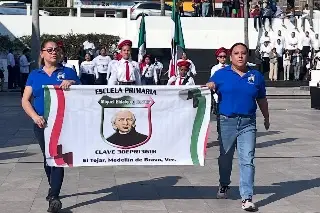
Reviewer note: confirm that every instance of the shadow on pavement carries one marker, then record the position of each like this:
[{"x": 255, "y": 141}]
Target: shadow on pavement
[
  {"x": 14, "y": 154},
  {"x": 163, "y": 188}
]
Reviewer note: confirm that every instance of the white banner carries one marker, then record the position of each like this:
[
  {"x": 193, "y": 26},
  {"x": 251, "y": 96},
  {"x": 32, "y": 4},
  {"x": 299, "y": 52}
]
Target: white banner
[{"x": 126, "y": 125}]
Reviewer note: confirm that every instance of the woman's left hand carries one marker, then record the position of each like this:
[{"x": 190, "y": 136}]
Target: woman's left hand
[{"x": 65, "y": 85}]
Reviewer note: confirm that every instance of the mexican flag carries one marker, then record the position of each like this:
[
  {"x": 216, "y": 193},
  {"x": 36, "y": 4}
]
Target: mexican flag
[
  {"x": 177, "y": 43},
  {"x": 142, "y": 39}
]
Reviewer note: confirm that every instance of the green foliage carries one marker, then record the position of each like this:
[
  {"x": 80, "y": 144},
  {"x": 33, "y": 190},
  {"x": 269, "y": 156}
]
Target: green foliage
[
  {"x": 55, "y": 3},
  {"x": 71, "y": 42}
]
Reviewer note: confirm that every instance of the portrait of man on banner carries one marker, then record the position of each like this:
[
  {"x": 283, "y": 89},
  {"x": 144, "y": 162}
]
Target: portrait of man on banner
[{"x": 124, "y": 125}]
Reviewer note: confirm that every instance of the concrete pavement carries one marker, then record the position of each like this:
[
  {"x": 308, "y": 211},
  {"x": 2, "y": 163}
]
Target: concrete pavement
[{"x": 287, "y": 172}]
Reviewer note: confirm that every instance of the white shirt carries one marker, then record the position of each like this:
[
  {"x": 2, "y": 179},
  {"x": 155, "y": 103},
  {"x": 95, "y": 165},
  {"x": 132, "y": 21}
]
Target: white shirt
[
  {"x": 265, "y": 50},
  {"x": 88, "y": 45},
  {"x": 110, "y": 68},
  {"x": 149, "y": 71},
  {"x": 306, "y": 41},
  {"x": 264, "y": 39},
  {"x": 279, "y": 49},
  {"x": 305, "y": 13},
  {"x": 282, "y": 40},
  {"x": 87, "y": 67},
  {"x": 217, "y": 67},
  {"x": 10, "y": 60},
  {"x": 192, "y": 67},
  {"x": 179, "y": 80},
  {"x": 158, "y": 66},
  {"x": 292, "y": 43},
  {"x": 315, "y": 44},
  {"x": 118, "y": 72},
  {"x": 101, "y": 64},
  {"x": 24, "y": 64}
]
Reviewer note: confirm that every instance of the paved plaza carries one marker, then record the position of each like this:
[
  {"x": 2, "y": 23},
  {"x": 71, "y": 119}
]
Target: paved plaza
[{"x": 287, "y": 172}]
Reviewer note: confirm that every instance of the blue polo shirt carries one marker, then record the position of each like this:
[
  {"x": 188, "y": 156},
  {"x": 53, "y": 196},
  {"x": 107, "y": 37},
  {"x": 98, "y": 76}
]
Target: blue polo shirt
[
  {"x": 38, "y": 78},
  {"x": 238, "y": 95}
]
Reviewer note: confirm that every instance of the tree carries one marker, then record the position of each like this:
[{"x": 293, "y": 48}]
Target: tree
[
  {"x": 246, "y": 17},
  {"x": 55, "y": 3},
  {"x": 162, "y": 6},
  {"x": 35, "y": 37}
]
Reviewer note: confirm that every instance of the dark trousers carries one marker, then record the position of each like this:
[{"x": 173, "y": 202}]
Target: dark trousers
[
  {"x": 23, "y": 81},
  {"x": 11, "y": 77},
  {"x": 55, "y": 175},
  {"x": 147, "y": 81},
  {"x": 266, "y": 64},
  {"x": 305, "y": 51},
  {"x": 255, "y": 20},
  {"x": 87, "y": 79},
  {"x": 102, "y": 80},
  {"x": 280, "y": 68},
  {"x": 264, "y": 21}
]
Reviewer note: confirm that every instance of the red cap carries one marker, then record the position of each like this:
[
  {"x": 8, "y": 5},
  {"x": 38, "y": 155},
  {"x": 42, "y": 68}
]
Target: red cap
[
  {"x": 184, "y": 63},
  {"x": 124, "y": 43},
  {"x": 221, "y": 50}
]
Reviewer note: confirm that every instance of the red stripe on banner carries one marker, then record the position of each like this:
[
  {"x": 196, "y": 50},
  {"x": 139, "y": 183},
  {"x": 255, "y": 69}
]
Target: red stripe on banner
[
  {"x": 172, "y": 68},
  {"x": 56, "y": 130},
  {"x": 206, "y": 141}
]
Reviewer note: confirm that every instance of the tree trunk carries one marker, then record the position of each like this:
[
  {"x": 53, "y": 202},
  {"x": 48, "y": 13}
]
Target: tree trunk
[
  {"x": 246, "y": 17},
  {"x": 35, "y": 37},
  {"x": 162, "y": 3}
]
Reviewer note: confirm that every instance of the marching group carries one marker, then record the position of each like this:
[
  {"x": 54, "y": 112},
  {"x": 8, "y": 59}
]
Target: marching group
[{"x": 239, "y": 90}]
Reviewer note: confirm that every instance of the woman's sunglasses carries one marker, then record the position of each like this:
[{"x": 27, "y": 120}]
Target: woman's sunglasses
[
  {"x": 222, "y": 56},
  {"x": 51, "y": 49}
]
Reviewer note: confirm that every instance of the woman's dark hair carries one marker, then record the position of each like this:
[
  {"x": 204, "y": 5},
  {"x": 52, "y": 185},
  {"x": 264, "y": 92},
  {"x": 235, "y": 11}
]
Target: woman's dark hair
[
  {"x": 238, "y": 44},
  {"x": 43, "y": 44}
]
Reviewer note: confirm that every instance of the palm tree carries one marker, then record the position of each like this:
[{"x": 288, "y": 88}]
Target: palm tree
[
  {"x": 246, "y": 17},
  {"x": 35, "y": 37},
  {"x": 162, "y": 4}
]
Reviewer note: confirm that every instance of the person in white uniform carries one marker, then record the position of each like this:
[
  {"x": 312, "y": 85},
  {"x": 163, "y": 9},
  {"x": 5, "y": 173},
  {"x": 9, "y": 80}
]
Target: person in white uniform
[
  {"x": 159, "y": 67},
  {"x": 192, "y": 66},
  {"x": 221, "y": 55},
  {"x": 101, "y": 63},
  {"x": 183, "y": 78},
  {"x": 24, "y": 69},
  {"x": 116, "y": 57},
  {"x": 148, "y": 71},
  {"x": 86, "y": 73},
  {"x": 125, "y": 71}
]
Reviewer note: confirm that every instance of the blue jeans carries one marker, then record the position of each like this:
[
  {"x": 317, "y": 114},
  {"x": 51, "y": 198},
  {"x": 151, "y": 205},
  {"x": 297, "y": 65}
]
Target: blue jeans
[
  {"x": 205, "y": 9},
  {"x": 238, "y": 132}
]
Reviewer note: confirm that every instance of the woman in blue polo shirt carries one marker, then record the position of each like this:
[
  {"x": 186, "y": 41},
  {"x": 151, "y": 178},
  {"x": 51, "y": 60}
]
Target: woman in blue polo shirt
[
  {"x": 239, "y": 89},
  {"x": 50, "y": 73}
]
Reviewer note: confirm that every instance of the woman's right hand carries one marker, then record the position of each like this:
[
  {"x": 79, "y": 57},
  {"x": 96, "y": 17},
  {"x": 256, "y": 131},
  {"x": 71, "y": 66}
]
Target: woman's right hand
[
  {"x": 211, "y": 85},
  {"x": 40, "y": 121}
]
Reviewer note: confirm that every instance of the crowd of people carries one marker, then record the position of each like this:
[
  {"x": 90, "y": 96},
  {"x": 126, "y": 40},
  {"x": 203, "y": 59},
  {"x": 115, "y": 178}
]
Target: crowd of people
[{"x": 288, "y": 57}]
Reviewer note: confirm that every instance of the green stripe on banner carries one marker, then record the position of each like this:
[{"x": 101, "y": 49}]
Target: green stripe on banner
[
  {"x": 196, "y": 129},
  {"x": 47, "y": 102}
]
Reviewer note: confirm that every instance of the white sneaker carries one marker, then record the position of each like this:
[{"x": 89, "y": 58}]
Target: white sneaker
[
  {"x": 248, "y": 205},
  {"x": 222, "y": 192}
]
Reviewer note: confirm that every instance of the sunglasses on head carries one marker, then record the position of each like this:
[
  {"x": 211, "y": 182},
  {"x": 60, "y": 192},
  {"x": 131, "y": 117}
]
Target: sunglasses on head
[
  {"x": 222, "y": 56},
  {"x": 51, "y": 49}
]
